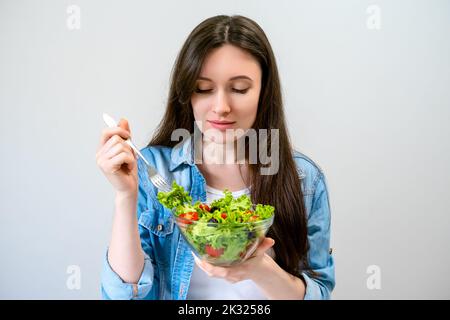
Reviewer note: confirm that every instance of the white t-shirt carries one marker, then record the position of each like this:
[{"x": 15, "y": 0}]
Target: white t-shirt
[{"x": 205, "y": 287}]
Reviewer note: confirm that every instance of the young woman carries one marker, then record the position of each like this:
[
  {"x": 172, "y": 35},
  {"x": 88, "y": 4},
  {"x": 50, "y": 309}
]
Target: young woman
[{"x": 225, "y": 78}]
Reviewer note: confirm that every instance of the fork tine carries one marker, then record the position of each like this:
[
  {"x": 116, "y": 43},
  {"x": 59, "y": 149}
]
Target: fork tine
[
  {"x": 165, "y": 186},
  {"x": 160, "y": 183},
  {"x": 157, "y": 180},
  {"x": 157, "y": 184},
  {"x": 164, "y": 189}
]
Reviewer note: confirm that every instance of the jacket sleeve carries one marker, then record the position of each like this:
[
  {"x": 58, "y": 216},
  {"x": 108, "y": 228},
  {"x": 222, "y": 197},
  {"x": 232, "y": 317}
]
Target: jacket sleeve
[
  {"x": 319, "y": 256},
  {"x": 112, "y": 286}
]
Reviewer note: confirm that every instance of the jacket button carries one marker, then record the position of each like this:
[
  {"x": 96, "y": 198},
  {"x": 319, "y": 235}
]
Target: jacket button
[
  {"x": 331, "y": 250},
  {"x": 160, "y": 227}
]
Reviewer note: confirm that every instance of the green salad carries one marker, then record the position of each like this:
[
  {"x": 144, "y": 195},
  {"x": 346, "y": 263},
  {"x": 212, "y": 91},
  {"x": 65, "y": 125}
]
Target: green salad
[{"x": 222, "y": 232}]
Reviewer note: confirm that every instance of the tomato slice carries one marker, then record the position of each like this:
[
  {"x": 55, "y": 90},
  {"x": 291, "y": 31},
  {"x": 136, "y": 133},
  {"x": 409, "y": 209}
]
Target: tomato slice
[
  {"x": 205, "y": 207},
  {"x": 183, "y": 215},
  {"x": 215, "y": 253},
  {"x": 223, "y": 215},
  {"x": 190, "y": 216},
  {"x": 194, "y": 215}
]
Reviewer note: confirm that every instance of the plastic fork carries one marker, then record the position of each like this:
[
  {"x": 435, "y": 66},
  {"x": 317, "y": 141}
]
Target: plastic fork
[{"x": 157, "y": 180}]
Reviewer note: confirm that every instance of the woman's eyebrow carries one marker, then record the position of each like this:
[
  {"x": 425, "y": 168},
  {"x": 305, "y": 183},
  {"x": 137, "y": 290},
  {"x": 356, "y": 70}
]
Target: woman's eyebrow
[
  {"x": 241, "y": 77},
  {"x": 233, "y": 78}
]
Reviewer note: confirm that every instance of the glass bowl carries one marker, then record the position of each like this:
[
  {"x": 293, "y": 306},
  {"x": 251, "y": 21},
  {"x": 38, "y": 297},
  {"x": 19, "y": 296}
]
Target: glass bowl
[{"x": 223, "y": 244}]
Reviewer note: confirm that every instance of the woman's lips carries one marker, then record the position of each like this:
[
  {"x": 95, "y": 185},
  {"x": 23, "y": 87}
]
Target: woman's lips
[{"x": 221, "y": 125}]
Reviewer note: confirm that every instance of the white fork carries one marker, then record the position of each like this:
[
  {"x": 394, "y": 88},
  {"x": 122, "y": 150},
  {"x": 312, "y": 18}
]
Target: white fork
[{"x": 157, "y": 180}]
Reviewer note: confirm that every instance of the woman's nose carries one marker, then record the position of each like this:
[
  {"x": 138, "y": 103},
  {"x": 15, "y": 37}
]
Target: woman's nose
[{"x": 221, "y": 105}]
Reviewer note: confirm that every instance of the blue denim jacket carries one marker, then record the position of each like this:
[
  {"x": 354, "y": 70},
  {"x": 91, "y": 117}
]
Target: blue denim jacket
[{"x": 168, "y": 260}]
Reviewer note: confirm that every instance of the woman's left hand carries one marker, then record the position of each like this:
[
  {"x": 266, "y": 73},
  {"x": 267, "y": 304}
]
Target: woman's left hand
[{"x": 249, "y": 269}]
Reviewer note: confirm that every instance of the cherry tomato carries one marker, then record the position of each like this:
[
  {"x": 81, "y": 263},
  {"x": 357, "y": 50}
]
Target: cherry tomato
[
  {"x": 215, "y": 253},
  {"x": 190, "y": 216},
  {"x": 205, "y": 207}
]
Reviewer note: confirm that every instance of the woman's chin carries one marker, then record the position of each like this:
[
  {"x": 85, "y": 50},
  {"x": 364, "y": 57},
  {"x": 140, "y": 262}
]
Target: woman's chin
[{"x": 220, "y": 136}]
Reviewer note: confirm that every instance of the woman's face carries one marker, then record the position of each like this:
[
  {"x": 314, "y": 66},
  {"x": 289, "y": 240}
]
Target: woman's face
[{"x": 227, "y": 93}]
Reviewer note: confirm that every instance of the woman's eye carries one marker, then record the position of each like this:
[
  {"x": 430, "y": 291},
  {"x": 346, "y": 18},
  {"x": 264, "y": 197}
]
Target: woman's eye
[
  {"x": 240, "y": 91},
  {"x": 243, "y": 91},
  {"x": 203, "y": 91}
]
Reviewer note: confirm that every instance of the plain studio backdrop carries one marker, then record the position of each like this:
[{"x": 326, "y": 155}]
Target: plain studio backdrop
[{"x": 366, "y": 91}]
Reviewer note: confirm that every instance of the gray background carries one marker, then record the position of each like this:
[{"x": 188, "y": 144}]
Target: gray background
[{"x": 369, "y": 106}]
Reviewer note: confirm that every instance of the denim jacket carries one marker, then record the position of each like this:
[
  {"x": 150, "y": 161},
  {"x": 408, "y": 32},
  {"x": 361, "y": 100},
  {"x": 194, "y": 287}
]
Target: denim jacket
[{"x": 168, "y": 261}]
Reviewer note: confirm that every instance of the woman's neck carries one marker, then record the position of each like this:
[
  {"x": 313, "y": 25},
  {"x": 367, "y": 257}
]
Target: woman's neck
[{"x": 220, "y": 166}]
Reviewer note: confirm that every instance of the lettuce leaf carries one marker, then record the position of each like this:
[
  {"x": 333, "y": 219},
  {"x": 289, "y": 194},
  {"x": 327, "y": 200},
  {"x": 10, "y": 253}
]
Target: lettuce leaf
[{"x": 175, "y": 198}]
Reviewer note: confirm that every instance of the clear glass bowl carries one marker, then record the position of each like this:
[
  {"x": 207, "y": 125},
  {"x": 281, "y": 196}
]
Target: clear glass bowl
[{"x": 223, "y": 244}]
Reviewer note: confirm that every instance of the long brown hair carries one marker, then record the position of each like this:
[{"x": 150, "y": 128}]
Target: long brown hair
[{"x": 282, "y": 190}]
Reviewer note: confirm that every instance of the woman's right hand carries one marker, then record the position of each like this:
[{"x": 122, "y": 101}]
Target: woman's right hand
[{"x": 117, "y": 160}]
